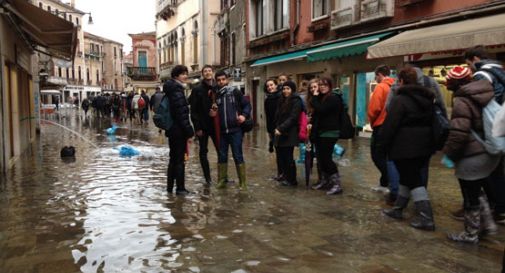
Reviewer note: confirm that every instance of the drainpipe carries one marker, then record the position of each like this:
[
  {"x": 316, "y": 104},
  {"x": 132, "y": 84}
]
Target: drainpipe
[
  {"x": 297, "y": 24},
  {"x": 2, "y": 113},
  {"x": 204, "y": 11}
]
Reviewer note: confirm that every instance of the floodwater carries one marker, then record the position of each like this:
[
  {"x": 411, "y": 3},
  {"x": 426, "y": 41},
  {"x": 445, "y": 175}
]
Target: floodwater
[{"x": 105, "y": 213}]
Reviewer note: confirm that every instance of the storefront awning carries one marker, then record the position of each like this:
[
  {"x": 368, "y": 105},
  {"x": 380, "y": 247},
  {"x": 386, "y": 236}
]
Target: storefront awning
[
  {"x": 41, "y": 28},
  {"x": 485, "y": 31},
  {"x": 281, "y": 58},
  {"x": 50, "y": 92},
  {"x": 343, "y": 49}
]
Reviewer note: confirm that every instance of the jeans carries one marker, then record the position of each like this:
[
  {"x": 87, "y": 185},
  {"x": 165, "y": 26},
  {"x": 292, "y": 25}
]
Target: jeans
[
  {"x": 379, "y": 157},
  {"x": 324, "y": 154},
  {"x": 393, "y": 177},
  {"x": 410, "y": 171},
  {"x": 235, "y": 141},
  {"x": 204, "y": 143}
]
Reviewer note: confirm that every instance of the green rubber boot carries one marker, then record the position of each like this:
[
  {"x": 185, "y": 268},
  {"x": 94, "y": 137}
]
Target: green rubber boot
[
  {"x": 222, "y": 175},
  {"x": 241, "y": 176}
]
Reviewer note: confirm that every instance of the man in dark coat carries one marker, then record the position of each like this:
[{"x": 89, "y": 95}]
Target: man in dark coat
[
  {"x": 202, "y": 98},
  {"x": 181, "y": 129}
]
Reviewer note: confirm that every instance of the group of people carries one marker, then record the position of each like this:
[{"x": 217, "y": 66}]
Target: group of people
[
  {"x": 121, "y": 107},
  {"x": 402, "y": 115},
  {"x": 219, "y": 112}
]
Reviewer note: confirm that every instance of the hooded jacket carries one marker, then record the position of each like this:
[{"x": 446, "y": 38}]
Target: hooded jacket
[
  {"x": 201, "y": 100},
  {"x": 377, "y": 106},
  {"x": 469, "y": 101},
  {"x": 489, "y": 70},
  {"x": 178, "y": 108},
  {"x": 231, "y": 103},
  {"x": 271, "y": 104},
  {"x": 407, "y": 130},
  {"x": 287, "y": 119}
]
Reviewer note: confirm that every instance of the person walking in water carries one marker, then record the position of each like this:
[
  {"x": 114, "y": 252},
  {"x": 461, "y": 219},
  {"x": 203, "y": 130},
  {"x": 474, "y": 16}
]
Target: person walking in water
[{"x": 180, "y": 131}]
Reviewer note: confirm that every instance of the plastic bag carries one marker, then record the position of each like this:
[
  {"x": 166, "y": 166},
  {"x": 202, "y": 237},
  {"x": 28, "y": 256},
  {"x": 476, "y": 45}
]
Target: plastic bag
[
  {"x": 127, "y": 150},
  {"x": 446, "y": 161},
  {"x": 338, "y": 150},
  {"x": 112, "y": 130}
]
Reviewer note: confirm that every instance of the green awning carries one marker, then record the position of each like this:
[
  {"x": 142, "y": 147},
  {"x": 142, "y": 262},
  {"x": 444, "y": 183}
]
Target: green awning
[
  {"x": 281, "y": 58},
  {"x": 343, "y": 49}
]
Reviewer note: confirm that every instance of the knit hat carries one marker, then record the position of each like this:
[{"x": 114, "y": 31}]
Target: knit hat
[
  {"x": 291, "y": 85},
  {"x": 458, "y": 73}
]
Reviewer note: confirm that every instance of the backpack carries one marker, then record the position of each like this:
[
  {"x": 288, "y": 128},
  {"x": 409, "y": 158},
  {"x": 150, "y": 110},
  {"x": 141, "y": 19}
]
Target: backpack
[
  {"x": 141, "y": 103},
  {"x": 347, "y": 129},
  {"x": 162, "y": 117},
  {"x": 248, "y": 124},
  {"x": 494, "y": 145},
  {"x": 439, "y": 126}
]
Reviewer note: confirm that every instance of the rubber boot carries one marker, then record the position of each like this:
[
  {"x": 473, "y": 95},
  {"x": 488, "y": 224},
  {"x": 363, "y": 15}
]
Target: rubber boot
[
  {"x": 241, "y": 176},
  {"x": 180, "y": 180},
  {"x": 222, "y": 175},
  {"x": 324, "y": 183},
  {"x": 472, "y": 227},
  {"x": 396, "y": 211},
  {"x": 335, "y": 181},
  {"x": 487, "y": 224},
  {"x": 170, "y": 179},
  {"x": 424, "y": 216},
  {"x": 206, "y": 171}
]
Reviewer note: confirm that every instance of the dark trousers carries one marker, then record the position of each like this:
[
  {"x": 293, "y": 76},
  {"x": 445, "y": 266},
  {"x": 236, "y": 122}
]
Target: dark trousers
[
  {"x": 324, "y": 154},
  {"x": 204, "y": 143},
  {"x": 471, "y": 191},
  {"x": 277, "y": 155},
  {"x": 410, "y": 171},
  {"x": 379, "y": 158},
  {"x": 177, "y": 145},
  {"x": 496, "y": 189},
  {"x": 288, "y": 167},
  {"x": 235, "y": 141}
]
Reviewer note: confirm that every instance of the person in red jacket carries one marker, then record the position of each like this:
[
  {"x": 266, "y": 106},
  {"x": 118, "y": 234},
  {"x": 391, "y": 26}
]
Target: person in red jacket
[{"x": 377, "y": 115}]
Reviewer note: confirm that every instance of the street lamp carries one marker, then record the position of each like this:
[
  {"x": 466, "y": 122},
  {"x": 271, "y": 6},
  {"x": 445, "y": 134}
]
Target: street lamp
[{"x": 90, "y": 19}]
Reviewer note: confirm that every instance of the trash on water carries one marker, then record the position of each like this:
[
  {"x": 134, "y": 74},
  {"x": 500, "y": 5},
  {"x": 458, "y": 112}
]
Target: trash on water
[
  {"x": 127, "y": 150},
  {"x": 338, "y": 150},
  {"x": 447, "y": 162},
  {"x": 112, "y": 130}
]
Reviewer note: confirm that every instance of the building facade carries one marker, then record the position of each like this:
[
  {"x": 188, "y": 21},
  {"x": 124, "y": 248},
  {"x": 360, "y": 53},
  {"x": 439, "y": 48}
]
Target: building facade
[
  {"x": 27, "y": 34},
  {"x": 185, "y": 35},
  {"x": 142, "y": 75},
  {"x": 307, "y": 39}
]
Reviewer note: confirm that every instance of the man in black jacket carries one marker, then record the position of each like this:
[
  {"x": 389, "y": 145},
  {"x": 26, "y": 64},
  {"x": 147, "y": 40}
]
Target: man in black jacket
[
  {"x": 202, "y": 98},
  {"x": 181, "y": 129}
]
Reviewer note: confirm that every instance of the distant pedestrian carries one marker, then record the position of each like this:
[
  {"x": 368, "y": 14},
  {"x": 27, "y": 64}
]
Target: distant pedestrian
[
  {"x": 407, "y": 138},
  {"x": 180, "y": 131},
  {"x": 138, "y": 107},
  {"x": 286, "y": 131},
  {"x": 322, "y": 182},
  {"x": 85, "y": 106},
  {"x": 155, "y": 99},
  {"x": 145, "y": 110}
]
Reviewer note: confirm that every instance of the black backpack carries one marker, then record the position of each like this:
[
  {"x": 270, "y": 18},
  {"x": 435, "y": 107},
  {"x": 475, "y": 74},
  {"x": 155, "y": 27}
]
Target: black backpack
[{"x": 347, "y": 129}]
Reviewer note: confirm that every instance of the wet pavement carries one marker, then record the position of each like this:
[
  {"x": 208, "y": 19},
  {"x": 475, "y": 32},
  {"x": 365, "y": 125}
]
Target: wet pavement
[{"x": 105, "y": 213}]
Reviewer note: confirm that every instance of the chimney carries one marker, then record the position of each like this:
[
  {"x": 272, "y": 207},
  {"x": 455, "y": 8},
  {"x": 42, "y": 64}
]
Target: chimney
[{"x": 72, "y": 3}]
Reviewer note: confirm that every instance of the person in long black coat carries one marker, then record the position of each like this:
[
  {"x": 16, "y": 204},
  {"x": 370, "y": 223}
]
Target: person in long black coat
[
  {"x": 286, "y": 131},
  {"x": 272, "y": 97},
  {"x": 407, "y": 138},
  {"x": 180, "y": 131}
]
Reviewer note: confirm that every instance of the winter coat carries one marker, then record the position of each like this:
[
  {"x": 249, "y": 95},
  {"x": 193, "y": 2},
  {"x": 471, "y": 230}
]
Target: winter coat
[
  {"x": 231, "y": 103},
  {"x": 271, "y": 104},
  {"x": 326, "y": 113},
  {"x": 377, "y": 106},
  {"x": 201, "y": 100},
  {"x": 287, "y": 120},
  {"x": 179, "y": 108},
  {"x": 492, "y": 68},
  {"x": 471, "y": 159},
  {"x": 425, "y": 81},
  {"x": 407, "y": 130}
]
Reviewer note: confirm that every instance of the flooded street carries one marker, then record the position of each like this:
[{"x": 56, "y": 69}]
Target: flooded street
[{"x": 106, "y": 213}]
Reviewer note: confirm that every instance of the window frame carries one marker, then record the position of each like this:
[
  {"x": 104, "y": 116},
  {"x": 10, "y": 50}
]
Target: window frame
[{"x": 324, "y": 15}]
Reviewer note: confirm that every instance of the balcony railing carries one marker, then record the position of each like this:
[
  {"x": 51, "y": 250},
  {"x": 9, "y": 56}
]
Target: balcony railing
[
  {"x": 376, "y": 9},
  {"x": 166, "y": 8},
  {"x": 142, "y": 73}
]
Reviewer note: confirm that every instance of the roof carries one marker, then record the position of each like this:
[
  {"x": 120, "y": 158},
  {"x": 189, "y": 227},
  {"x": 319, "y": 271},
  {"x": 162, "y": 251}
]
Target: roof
[
  {"x": 67, "y": 6},
  {"x": 96, "y": 37}
]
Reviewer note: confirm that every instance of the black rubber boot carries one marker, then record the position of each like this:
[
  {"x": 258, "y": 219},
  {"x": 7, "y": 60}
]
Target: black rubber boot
[
  {"x": 179, "y": 180},
  {"x": 396, "y": 211},
  {"x": 290, "y": 176},
  {"x": 206, "y": 170},
  {"x": 424, "y": 216},
  {"x": 170, "y": 179}
]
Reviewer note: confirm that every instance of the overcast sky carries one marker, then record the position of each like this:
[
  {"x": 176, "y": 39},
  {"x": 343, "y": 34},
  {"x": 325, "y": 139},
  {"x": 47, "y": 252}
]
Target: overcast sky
[{"x": 115, "y": 19}]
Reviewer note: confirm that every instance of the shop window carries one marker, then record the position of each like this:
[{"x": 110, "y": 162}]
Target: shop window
[{"x": 320, "y": 8}]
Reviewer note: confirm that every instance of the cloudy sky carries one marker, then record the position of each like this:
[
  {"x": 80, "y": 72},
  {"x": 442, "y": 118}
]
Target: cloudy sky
[{"x": 114, "y": 19}]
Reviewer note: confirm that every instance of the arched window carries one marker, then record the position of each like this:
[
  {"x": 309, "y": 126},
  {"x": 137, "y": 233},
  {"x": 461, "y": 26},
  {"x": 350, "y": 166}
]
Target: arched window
[
  {"x": 80, "y": 76},
  {"x": 183, "y": 46},
  {"x": 97, "y": 77},
  {"x": 195, "y": 42},
  {"x": 87, "y": 74}
]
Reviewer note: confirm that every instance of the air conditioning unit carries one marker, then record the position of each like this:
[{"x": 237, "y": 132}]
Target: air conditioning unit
[{"x": 342, "y": 17}]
